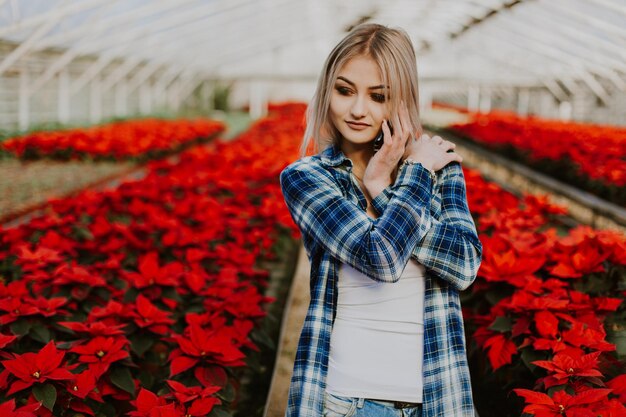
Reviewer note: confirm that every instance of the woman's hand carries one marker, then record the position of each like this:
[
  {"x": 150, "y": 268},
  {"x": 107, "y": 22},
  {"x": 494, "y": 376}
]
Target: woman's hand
[
  {"x": 379, "y": 170},
  {"x": 433, "y": 153}
]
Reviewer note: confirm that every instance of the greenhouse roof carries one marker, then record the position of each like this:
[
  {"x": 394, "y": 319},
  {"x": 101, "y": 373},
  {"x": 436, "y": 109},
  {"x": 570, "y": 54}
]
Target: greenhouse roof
[{"x": 516, "y": 41}]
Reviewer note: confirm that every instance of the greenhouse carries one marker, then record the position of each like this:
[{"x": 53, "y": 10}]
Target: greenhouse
[{"x": 313, "y": 208}]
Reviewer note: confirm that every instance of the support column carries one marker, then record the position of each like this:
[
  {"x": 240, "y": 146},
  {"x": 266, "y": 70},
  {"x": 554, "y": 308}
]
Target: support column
[
  {"x": 258, "y": 100},
  {"x": 523, "y": 101},
  {"x": 565, "y": 110},
  {"x": 23, "y": 98},
  {"x": 485, "y": 102},
  {"x": 473, "y": 98},
  {"x": 207, "y": 103},
  {"x": 95, "y": 105},
  {"x": 121, "y": 98},
  {"x": 145, "y": 99},
  {"x": 173, "y": 95},
  {"x": 63, "y": 105}
]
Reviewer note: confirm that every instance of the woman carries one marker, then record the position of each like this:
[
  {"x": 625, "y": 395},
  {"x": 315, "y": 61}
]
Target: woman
[{"x": 390, "y": 240}]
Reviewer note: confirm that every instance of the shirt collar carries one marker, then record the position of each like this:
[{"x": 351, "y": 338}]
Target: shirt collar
[{"x": 333, "y": 156}]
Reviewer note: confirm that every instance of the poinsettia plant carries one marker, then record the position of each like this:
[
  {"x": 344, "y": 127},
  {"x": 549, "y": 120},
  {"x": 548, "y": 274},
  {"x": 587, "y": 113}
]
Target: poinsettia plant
[
  {"x": 544, "y": 296},
  {"x": 129, "y": 139},
  {"x": 591, "y": 156},
  {"x": 147, "y": 299}
]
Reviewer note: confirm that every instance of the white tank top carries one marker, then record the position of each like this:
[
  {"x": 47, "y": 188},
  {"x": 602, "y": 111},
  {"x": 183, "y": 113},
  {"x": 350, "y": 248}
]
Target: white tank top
[{"x": 377, "y": 342}]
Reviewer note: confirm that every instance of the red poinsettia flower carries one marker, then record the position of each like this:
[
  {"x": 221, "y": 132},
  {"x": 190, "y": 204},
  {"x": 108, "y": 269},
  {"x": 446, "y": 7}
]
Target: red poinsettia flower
[
  {"x": 15, "y": 308},
  {"x": 564, "y": 367},
  {"x": 581, "y": 335},
  {"x": 150, "y": 273},
  {"x": 100, "y": 352},
  {"x": 509, "y": 266},
  {"x": 40, "y": 257},
  {"x": 111, "y": 314},
  {"x": 574, "y": 261},
  {"x": 31, "y": 368},
  {"x": 541, "y": 405},
  {"x": 7, "y": 409},
  {"x": 94, "y": 329},
  {"x": 6, "y": 339},
  {"x": 76, "y": 274},
  {"x": 84, "y": 385},
  {"x": 148, "y": 404},
  {"x": 201, "y": 399},
  {"x": 215, "y": 346},
  {"x": 150, "y": 317},
  {"x": 618, "y": 385},
  {"x": 48, "y": 307},
  {"x": 500, "y": 350}
]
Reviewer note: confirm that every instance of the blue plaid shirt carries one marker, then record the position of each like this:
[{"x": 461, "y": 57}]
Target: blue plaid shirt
[{"x": 429, "y": 221}]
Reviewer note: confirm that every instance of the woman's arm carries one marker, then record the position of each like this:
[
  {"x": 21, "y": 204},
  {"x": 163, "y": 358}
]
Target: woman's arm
[
  {"x": 450, "y": 249},
  {"x": 380, "y": 248}
]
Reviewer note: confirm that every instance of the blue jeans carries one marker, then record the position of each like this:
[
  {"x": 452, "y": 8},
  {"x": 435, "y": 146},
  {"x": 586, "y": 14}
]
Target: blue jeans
[{"x": 335, "y": 406}]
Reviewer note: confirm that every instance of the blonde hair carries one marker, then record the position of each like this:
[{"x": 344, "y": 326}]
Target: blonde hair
[{"x": 392, "y": 50}]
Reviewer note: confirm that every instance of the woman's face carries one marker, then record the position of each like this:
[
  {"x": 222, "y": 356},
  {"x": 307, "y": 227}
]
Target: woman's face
[{"x": 357, "y": 104}]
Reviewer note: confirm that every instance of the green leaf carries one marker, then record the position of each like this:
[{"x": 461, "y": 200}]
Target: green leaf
[
  {"x": 82, "y": 233},
  {"x": 121, "y": 378},
  {"x": 219, "y": 412},
  {"x": 131, "y": 295},
  {"x": 529, "y": 356},
  {"x": 170, "y": 292},
  {"x": 141, "y": 343},
  {"x": 146, "y": 379},
  {"x": 501, "y": 324},
  {"x": 41, "y": 333},
  {"x": 227, "y": 393},
  {"x": 47, "y": 394},
  {"x": 108, "y": 410},
  {"x": 20, "y": 327}
]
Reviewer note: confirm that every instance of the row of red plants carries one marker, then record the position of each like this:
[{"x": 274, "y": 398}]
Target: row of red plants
[
  {"x": 590, "y": 156},
  {"x": 139, "y": 139},
  {"x": 542, "y": 302},
  {"x": 147, "y": 299}
]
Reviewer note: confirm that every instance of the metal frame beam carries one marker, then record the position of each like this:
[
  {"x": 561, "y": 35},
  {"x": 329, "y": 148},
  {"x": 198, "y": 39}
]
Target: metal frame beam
[
  {"x": 120, "y": 22},
  {"x": 522, "y": 29},
  {"x": 29, "y": 43},
  {"x": 57, "y": 13}
]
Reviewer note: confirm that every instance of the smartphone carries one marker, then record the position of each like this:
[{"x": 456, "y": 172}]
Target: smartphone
[{"x": 379, "y": 139}]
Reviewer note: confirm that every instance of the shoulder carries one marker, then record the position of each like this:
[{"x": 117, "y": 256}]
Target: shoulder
[{"x": 308, "y": 166}]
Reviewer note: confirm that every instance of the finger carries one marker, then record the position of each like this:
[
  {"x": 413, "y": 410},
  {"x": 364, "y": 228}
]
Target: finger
[
  {"x": 448, "y": 146},
  {"x": 404, "y": 120},
  {"x": 453, "y": 156},
  {"x": 387, "y": 138},
  {"x": 397, "y": 127}
]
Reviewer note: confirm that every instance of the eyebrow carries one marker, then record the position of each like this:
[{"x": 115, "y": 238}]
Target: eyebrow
[{"x": 376, "y": 87}]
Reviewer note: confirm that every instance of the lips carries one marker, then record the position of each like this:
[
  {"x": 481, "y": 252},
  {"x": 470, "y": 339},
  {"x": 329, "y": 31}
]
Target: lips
[{"x": 357, "y": 125}]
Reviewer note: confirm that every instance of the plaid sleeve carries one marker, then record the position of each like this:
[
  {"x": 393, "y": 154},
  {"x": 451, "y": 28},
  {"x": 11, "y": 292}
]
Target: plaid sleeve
[
  {"x": 451, "y": 249},
  {"x": 380, "y": 248}
]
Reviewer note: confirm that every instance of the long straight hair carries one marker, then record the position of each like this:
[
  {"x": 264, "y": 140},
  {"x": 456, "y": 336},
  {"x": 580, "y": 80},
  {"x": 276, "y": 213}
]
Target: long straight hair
[{"x": 393, "y": 52}]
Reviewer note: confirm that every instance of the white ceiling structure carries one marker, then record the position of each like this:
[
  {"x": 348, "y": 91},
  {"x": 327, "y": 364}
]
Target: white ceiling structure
[{"x": 562, "y": 46}]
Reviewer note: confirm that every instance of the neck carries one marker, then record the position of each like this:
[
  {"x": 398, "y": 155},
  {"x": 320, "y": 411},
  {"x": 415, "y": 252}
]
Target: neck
[{"x": 360, "y": 156}]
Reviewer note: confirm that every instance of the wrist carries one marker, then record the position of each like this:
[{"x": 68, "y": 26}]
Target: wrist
[
  {"x": 375, "y": 187},
  {"x": 431, "y": 172}
]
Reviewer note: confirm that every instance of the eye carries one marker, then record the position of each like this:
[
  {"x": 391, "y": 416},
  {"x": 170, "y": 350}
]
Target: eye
[
  {"x": 379, "y": 98},
  {"x": 344, "y": 91}
]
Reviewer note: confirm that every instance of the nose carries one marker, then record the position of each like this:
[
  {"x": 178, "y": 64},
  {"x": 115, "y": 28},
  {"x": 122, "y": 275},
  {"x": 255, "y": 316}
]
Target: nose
[{"x": 359, "y": 108}]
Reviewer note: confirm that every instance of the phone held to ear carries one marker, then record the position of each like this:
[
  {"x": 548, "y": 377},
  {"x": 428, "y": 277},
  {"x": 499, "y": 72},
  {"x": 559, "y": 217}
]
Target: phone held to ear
[{"x": 379, "y": 139}]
